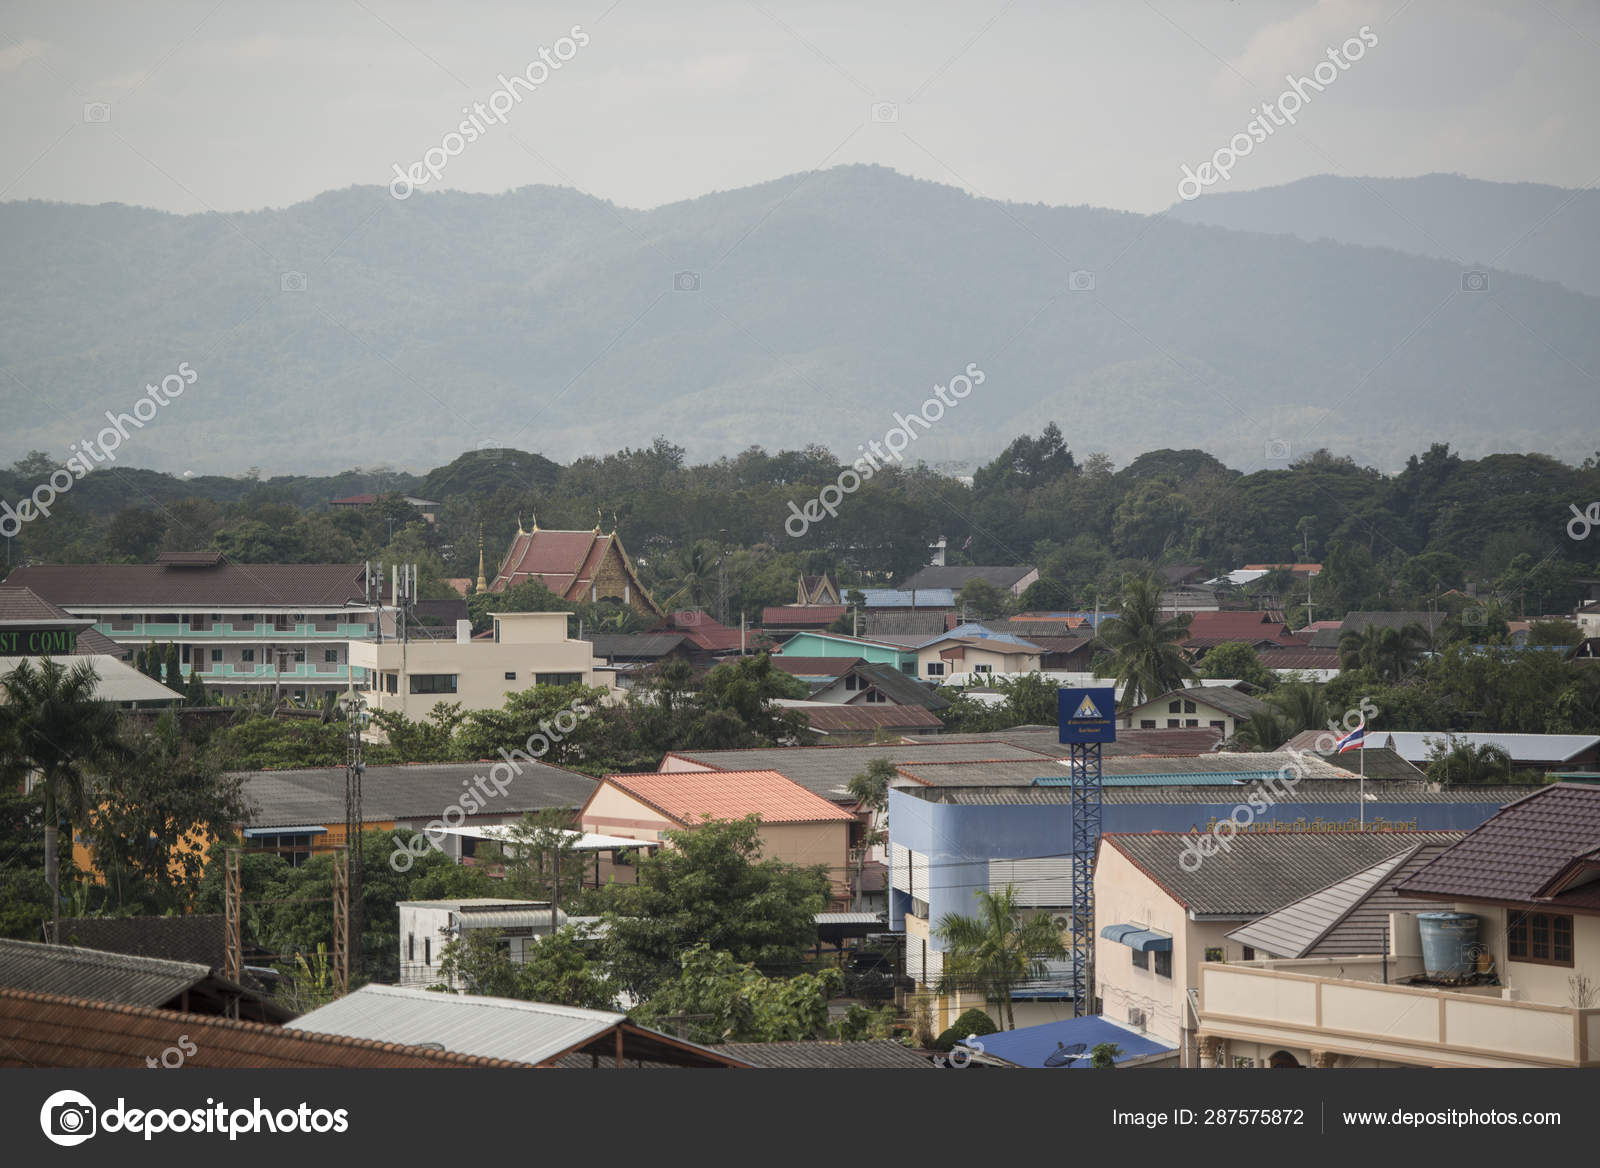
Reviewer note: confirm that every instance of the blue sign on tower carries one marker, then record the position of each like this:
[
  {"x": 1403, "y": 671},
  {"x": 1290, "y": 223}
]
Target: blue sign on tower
[{"x": 1087, "y": 715}]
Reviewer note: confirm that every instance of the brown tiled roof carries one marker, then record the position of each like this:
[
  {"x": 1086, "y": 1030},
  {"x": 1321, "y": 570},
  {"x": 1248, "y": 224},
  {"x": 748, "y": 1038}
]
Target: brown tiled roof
[
  {"x": 48, "y": 1030},
  {"x": 815, "y": 666},
  {"x": 24, "y": 604},
  {"x": 809, "y": 615},
  {"x": 310, "y": 585},
  {"x": 565, "y": 562},
  {"x": 1535, "y": 850},
  {"x": 878, "y": 716},
  {"x": 91, "y": 641}
]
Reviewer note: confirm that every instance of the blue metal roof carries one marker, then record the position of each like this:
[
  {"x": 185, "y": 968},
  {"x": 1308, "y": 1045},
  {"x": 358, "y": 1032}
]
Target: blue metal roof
[
  {"x": 1138, "y": 937},
  {"x": 1031, "y": 1045},
  {"x": 895, "y": 598}
]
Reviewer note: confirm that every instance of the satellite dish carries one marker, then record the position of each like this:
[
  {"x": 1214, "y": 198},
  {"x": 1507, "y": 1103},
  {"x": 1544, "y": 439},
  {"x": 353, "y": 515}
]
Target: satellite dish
[{"x": 1065, "y": 1056}]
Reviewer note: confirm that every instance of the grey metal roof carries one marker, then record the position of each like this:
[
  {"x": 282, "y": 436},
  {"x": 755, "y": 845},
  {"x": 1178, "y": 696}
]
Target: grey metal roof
[
  {"x": 1024, "y": 773},
  {"x": 198, "y": 937},
  {"x": 848, "y": 918},
  {"x": 875, "y": 1054},
  {"x": 1313, "y": 791},
  {"x": 827, "y": 770},
  {"x": 1003, "y": 577},
  {"x": 90, "y": 973},
  {"x": 1219, "y": 697},
  {"x": 413, "y": 791},
  {"x": 634, "y": 644},
  {"x": 1413, "y": 745},
  {"x": 1046, "y": 740},
  {"x": 899, "y": 687},
  {"x": 1349, "y": 918},
  {"x": 529, "y": 1032},
  {"x": 1262, "y": 871}
]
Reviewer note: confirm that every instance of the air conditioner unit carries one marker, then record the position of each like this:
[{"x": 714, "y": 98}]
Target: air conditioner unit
[
  {"x": 1063, "y": 923},
  {"x": 1136, "y": 1018}
]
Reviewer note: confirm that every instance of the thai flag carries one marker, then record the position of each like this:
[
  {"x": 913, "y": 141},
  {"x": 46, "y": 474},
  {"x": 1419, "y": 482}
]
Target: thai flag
[{"x": 1354, "y": 740}]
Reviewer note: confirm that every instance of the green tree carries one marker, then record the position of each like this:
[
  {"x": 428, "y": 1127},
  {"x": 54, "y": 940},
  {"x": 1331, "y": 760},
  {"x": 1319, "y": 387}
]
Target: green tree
[
  {"x": 1031, "y": 700},
  {"x": 557, "y": 968},
  {"x": 870, "y": 790},
  {"x": 174, "y": 672},
  {"x": 553, "y": 723},
  {"x": 715, "y": 998},
  {"x": 1139, "y": 647},
  {"x": 1456, "y": 762},
  {"x": 1237, "y": 660},
  {"x": 1388, "y": 651},
  {"x": 52, "y": 726},
  {"x": 542, "y": 856},
  {"x": 997, "y": 949},
  {"x": 1263, "y": 730},
  {"x": 1104, "y": 1055},
  {"x": 980, "y": 600},
  {"x": 711, "y": 885},
  {"x": 194, "y": 690}
]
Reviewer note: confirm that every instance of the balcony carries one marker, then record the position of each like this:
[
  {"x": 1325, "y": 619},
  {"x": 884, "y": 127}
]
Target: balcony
[
  {"x": 1397, "y": 1024},
  {"x": 230, "y": 631}
]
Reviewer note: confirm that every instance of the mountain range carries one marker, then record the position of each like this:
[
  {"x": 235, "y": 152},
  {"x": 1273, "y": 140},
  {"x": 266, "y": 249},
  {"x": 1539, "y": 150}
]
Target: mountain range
[{"x": 360, "y": 329}]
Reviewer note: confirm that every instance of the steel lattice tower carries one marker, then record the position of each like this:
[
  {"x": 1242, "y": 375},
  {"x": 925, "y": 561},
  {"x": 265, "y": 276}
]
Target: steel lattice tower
[{"x": 1087, "y": 799}]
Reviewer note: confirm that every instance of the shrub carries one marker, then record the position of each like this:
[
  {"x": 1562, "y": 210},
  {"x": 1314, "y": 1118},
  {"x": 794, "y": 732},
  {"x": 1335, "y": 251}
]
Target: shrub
[{"x": 971, "y": 1022}]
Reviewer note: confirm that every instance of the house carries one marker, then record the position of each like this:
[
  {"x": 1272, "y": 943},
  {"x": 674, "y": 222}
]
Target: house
[
  {"x": 817, "y": 644},
  {"x": 890, "y": 624},
  {"x": 858, "y": 682},
  {"x": 575, "y": 565},
  {"x": 426, "y": 926},
  {"x": 1587, "y": 618},
  {"x": 707, "y": 641},
  {"x": 1159, "y": 920},
  {"x": 240, "y": 626},
  {"x": 797, "y": 826},
  {"x": 626, "y": 654},
  {"x": 1259, "y": 630},
  {"x": 1300, "y": 661},
  {"x": 187, "y": 986},
  {"x": 1519, "y": 896},
  {"x": 969, "y": 650},
  {"x": 528, "y": 1033},
  {"x": 46, "y": 1029},
  {"x": 527, "y": 649},
  {"x": 1004, "y": 578},
  {"x": 298, "y": 813},
  {"x": 1217, "y": 706},
  {"x": 1587, "y": 649}
]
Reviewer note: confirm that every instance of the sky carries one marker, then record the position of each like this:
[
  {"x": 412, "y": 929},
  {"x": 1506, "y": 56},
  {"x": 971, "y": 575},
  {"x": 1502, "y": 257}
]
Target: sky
[{"x": 222, "y": 105}]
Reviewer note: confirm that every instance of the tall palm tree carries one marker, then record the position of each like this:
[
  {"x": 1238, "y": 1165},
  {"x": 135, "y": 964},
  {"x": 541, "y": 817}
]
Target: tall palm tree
[
  {"x": 1390, "y": 652},
  {"x": 1265, "y": 730},
  {"x": 870, "y": 790},
  {"x": 53, "y": 727},
  {"x": 1303, "y": 705},
  {"x": 1139, "y": 646},
  {"x": 997, "y": 949}
]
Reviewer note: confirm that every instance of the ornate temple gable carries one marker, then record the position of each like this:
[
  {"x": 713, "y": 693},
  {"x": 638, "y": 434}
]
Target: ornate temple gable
[{"x": 575, "y": 565}]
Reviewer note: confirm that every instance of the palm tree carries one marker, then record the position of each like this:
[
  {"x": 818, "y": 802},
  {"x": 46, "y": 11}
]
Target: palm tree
[
  {"x": 1140, "y": 646},
  {"x": 1303, "y": 704},
  {"x": 52, "y": 726},
  {"x": 695, "y": 572},
  {"x": 1265, "y": 730},
  {"x": 1457, "y": 762},
  {"x": 1390, "y": 652},
  {"x": 997, "y": 949}
]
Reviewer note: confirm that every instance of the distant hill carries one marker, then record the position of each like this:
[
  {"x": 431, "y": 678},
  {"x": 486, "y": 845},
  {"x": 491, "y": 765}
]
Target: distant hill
[
  {"x": 355, "y": 329},
  {"x": 1547, "y": 232}
]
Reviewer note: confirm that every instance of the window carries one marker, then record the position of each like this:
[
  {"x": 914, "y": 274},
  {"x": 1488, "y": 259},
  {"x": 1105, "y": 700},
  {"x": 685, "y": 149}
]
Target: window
[
  {"x": 1540, "y": 938},
  {"x": 1172, "y": 707},
  {"x": 549, "y": 679},
  {"x": 248, "y": 618},
  {"x": 247, "y": 654},
  {"x": 427, "y": 950},
  {"x": 1191, "y": 722},
  {"x": 411, "y": 946},
  {"x": 1163, "y": 963},
  {"x": 1172, "y": 723},
  {"x": 330, "y": 656},
  {"x": 433, "y": 683},
  {"x": 874, "y": 696},
  {"x": 983, "y": 669},
  {"x": 1214, "y": 953},
  {"x": 511, "y": 675},
  {"x": 936, "y": 669},
  {"x": 1218, "y": 725},
  {"x": 851, "y": 681},
  {"x": 1141, "y": 959},
  {"x": 1188, "y": 707},
  {"x": 184, "y": 656},
  {"x": 1147, "y": 723},
  {"x": 216, "y": 655},
  {"x": 299, "y": 656},
  {"x": 1249, "y": 954},
  {"x": 391, "y": 683}
]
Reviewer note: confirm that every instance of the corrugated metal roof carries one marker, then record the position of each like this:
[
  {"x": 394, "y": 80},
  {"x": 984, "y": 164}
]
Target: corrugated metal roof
[
  {"x": 848, "y": 918},
  {"x": 116, "y": 680},
  {"x": 527, "y": 1032},
  {"x": 827, "y": 770},
  {"x": 1413, "y": 745},
  {"x": 687, "y": 796},
  {"x": 89, "y": 973}
]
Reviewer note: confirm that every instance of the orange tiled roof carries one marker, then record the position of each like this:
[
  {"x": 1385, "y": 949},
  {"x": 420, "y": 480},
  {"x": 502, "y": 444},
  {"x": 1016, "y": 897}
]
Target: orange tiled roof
[{"x": 688, "y": 796}]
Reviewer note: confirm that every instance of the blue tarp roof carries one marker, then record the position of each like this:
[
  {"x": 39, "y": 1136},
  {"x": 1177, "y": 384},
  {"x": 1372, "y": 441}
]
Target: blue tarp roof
[
  {"x": 1031, "y": 1045},
  {"x": 1138, "y": 937}
]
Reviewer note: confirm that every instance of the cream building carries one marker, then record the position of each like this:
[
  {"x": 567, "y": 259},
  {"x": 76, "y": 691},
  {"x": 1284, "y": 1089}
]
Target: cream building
[
  {"x": 528, "y": 649},
  {"x": 939, "y": 661},
  {"x": 1515, "y": 989}
]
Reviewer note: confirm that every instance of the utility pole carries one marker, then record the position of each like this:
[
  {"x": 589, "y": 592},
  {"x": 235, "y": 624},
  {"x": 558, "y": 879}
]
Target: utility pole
[
  {"x": 341, "y": 919},
  {"x": 353, "y": 826},
  {"x": 233, "y": 953}
]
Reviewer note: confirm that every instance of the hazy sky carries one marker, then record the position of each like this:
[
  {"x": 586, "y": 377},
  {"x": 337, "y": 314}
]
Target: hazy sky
[{"x": 235, "y": 106}]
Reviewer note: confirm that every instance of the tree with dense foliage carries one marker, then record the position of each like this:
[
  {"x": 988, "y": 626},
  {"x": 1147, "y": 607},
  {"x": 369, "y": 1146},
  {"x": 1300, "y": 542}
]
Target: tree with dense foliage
[
  {"x": 1237, "y": 661},
  {"x": 1139, "y": 647},
  {"x": 997, "y": 949},
  {"x": 715, "y": 998},
  {"x": 557, "y": 968},
  {"x": 1388, "y": 651},
  {"x": 173, "y": 679},
  {"x": 1457, "y": 762},
  {"x": 1104, "y": 1055},
  {"x": 972, "y": 1023},
  {"x": 870, "y": 790},
  {"x": 53, "y": 728},
  {"x": 711, "y": 885}
]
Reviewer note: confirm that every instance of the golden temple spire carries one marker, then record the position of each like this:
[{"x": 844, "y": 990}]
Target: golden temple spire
[{"x": 483, "y": 585}]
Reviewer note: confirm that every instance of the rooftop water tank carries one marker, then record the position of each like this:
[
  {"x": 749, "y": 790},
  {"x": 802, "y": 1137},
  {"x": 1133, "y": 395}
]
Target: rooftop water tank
[{"x": 1449, "y": 944}]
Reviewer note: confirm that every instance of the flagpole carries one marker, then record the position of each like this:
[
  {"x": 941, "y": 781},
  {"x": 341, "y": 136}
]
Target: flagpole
[{"x": 1362, "y": 749}]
